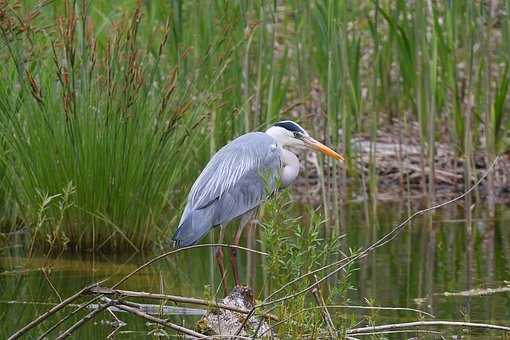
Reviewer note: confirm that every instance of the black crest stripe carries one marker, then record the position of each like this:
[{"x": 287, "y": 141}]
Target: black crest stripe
[{"x": 291, "y": 126}]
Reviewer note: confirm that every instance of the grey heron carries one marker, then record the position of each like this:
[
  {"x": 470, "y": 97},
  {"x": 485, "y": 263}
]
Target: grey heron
[{"x": 237, "y": 179}]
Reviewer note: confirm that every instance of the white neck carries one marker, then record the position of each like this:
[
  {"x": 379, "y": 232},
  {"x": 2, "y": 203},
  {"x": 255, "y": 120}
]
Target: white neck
[
  {"x": 290, "y": 169},
  {"x": 290, "y": 163}
]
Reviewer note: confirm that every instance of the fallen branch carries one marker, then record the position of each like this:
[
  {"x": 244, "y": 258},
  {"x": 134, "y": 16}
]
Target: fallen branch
[
  {"x": 477, "y": 292},
  {"x": 158, "y": 309},
  {"x": 50, "y": 312},
  {"x": 61, "y": 321},
  {"x": 69, "y": 300},
  {"x": 173, "y": 298},
  {"x": 397, "y": 326},
  {"x": 83, "y": 320},
  {"x": 162, "y": 322}
]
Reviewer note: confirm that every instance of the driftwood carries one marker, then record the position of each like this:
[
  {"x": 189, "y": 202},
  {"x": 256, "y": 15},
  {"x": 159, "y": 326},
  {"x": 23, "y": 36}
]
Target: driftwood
[{"x": 478, "y": 292}]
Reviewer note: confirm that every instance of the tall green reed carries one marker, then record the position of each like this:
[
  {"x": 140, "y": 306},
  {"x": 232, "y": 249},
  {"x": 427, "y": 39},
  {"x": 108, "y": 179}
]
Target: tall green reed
[{"x": 102, "y": 120}]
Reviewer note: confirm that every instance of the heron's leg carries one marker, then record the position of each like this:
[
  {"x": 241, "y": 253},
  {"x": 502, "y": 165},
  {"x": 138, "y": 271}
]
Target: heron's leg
[
  {"x": 245, "y": 219},
  {"x": 219, "y": 259}
]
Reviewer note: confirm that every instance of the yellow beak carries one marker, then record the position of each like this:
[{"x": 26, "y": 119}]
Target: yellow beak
[{"x": 318, "y": 146}]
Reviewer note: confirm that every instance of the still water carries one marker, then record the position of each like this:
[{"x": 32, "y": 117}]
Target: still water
[{"x": 430, "y": 257}]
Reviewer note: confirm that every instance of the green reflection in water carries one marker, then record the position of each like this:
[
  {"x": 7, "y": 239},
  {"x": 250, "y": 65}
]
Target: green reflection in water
[{"x": 426, "y": 260}]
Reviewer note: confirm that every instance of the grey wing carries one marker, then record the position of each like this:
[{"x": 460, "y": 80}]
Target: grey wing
[{"x": 235, "y": 180}]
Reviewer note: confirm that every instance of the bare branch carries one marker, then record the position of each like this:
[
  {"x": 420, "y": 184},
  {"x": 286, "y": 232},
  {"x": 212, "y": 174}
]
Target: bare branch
[
  {"x": 50, "y": 312},
  {"x": 162, "y": 322},
  {"x": 174, "y": 298},
  {"x": 61, "y": 321},
  {"x": 383, "y": 308},
  {"x": 324, "y": 310},
  {"x": 397, "y": 326},
  {"x": 175, "y": 251},
  {"x": 119, "y": 324},
  {"x": 398, "y": 331},
  {"x": 83, "y": 320}
]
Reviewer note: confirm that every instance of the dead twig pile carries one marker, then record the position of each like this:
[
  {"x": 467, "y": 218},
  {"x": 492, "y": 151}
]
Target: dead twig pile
[{"x": 397, "y": 159}]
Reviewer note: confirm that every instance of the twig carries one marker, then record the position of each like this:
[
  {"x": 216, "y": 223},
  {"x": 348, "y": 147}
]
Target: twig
[
  {"x": 50, "y": 312},
  {"x": 383, "y": 308},
  {"x": 119, "y": 325},
  {"x": 157, "y": 258},
  {"x": 227, "y": 337},
  {"x": 398, "y": 331},
  {"x": 162, "y": 322},
  {"x": 35, "y": 303},
  {"x": 397, "y": 326},
  {"x": 245, "y": 321},
  {"x": 267, "y": 329},
  {"x": 324, "y": 310},
  {"x": 174, "y": 298},
  {"x": 51, "y": 284},
  {"x": 83, "y": 320},
  {"x": 80, "y": 307},
  {"x": 350, "y": 307},
  {"x": 307, "y": 274},
  {"x": 353, "y": 336}
]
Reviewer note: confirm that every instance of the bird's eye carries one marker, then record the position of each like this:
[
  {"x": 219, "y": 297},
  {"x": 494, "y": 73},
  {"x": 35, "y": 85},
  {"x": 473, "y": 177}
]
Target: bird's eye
[{"x": 298, "y": 135}]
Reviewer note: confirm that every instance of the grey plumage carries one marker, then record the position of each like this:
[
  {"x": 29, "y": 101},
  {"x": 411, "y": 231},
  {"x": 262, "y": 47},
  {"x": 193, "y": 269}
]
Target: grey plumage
[{"x": 236, "y": 180}]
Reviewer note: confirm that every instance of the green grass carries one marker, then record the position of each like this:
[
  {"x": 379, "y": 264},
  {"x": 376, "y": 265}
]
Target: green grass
[
  {"x": 94, "y": 137},
  {"x": 108, "y": 112}
]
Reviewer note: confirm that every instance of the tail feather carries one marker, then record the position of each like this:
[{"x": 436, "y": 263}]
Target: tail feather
[{"x": 193, "y": 227}]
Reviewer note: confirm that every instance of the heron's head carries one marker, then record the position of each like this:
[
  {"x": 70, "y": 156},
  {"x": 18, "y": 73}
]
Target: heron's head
[{"x": 288, "y": 133}]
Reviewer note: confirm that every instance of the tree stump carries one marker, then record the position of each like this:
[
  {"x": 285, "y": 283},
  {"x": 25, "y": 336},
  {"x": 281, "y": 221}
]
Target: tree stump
[{"x": 225, "y": 322}]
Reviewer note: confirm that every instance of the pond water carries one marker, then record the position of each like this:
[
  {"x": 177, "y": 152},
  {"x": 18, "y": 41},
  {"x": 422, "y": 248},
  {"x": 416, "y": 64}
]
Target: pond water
[{"x": 432, "y": 256}]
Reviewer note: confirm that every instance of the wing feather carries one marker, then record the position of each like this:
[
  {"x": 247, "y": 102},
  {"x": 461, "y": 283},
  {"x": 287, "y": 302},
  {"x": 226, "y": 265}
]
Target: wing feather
[{"x": 252, "y": 152}]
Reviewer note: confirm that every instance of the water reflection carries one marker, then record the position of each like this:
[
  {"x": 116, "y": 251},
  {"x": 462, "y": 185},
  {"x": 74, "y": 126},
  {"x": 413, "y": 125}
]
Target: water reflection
[{"x": 440, "y": 253}]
